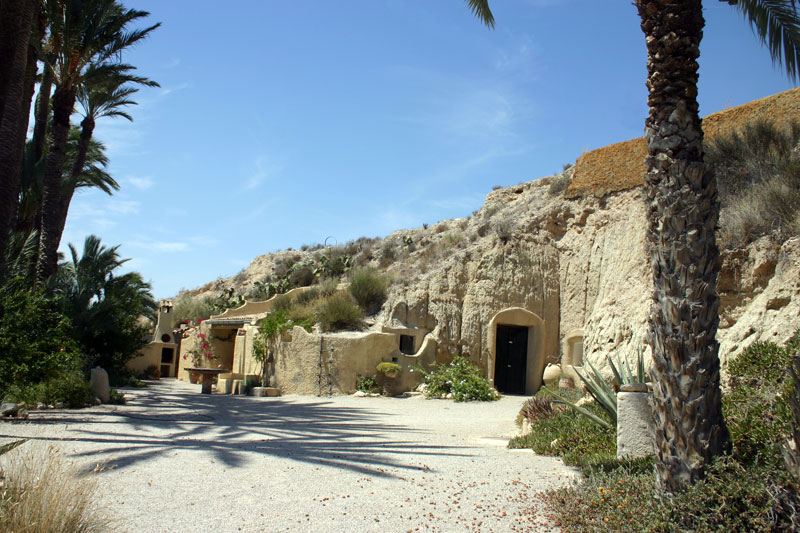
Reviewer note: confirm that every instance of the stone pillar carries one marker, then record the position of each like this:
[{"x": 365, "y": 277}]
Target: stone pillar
[{"x": 635, "y": 431}]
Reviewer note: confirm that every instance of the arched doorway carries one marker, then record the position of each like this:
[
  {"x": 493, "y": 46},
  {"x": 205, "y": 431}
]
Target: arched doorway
[{"x": 516, "y": 359}]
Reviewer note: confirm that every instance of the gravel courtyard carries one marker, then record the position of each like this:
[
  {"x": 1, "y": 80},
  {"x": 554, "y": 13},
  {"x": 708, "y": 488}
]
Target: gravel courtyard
[{"x": 174, "y": 460}]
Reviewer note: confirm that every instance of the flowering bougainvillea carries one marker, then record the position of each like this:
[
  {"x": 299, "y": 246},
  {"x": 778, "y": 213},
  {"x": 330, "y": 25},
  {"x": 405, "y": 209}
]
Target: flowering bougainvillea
[{"x": 203, "y": 350}]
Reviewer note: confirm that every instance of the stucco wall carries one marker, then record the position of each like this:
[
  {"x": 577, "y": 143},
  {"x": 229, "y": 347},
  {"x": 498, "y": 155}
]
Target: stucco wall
[
  {"x": 297, "y": 362},
  {"x": 150, "y": 356}
]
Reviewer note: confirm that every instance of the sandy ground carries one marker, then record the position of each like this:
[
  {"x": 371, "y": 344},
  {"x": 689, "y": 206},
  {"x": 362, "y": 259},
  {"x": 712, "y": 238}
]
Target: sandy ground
[{"x": 174, "y": 460}]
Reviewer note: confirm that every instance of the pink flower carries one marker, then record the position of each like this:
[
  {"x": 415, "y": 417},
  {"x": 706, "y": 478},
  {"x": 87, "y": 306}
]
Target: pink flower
[
  {"x": 201, "y": 335},
  {"x": 205, "y": 345},
  {"x": 210, "y": 355},
  {"x": 185, "y": 356},
  {"x": 199, "y": 321}
]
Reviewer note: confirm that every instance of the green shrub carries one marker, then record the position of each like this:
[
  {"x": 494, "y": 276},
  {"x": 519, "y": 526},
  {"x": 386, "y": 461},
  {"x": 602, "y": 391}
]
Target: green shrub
[
  {"x": 282, "y": 302},
  {"x": 339, "y": 312},
  {"x": 388, "y": 369},
  {"x": 453, "y": 239},
  {"x": 573, "y": 437},
  {"x": 126, "y": 380},
  {"x": 460, "y": 378},
  {"x": 368, "y": 288},
  {"x": 730, "y": 498},
  {"x": 334, "y": 263},
  {"x": 36, "y": 341},
  {"x": 116, "y": 397},
  {"x": 69, "y": 388},
  {"x": 328, "y": 286},
  {"x": 756, "y": 407},
  {"x": 302, "y": 275},
  {"x": 749, "y": 490},
  {"x": 191, "y": 310},
  {"x": 151, "y": 372},
  {"x": 307, "y": 296},
  {"x": 367, "y": 384}
]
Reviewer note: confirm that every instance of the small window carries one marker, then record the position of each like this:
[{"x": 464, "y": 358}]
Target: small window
[{"x": 407, "y": 344}]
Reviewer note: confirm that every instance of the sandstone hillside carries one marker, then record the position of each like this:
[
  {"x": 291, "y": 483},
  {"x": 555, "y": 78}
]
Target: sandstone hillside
[{"x": 569, "y": 248}]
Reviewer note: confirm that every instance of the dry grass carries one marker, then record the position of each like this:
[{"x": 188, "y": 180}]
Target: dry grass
[
  {"x": 772, "y": 207},
  {"x": 41, "y": 493},
  {"x": 620, "y": 166}
]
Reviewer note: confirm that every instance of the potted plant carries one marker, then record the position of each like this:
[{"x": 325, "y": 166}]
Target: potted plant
[{"x": 390, "y": 371}]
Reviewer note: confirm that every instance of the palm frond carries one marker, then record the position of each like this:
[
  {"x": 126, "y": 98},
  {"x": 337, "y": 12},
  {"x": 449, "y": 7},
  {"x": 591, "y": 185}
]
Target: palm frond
[
  {"x": 777, "y": 25},
  {"x": 20, "y": 258},
  {"x": 480, "y": 8}
]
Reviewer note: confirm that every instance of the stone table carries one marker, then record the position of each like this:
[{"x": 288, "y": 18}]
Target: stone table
[{"x": 208, "y": 377}]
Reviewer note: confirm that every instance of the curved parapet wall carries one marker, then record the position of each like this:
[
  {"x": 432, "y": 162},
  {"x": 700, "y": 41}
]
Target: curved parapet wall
[
  {"x": 251, "y": 309},
  {"x": 620, "y": 166}
]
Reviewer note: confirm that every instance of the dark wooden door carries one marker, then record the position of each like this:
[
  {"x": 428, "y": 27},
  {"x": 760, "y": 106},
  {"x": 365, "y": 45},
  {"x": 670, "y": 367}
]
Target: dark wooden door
[{"x": 511, "y": 360}]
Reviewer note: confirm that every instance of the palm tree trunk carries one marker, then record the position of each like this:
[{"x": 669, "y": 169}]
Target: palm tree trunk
[
  {"x": 68, "y": 188},
  {"x": 30, "y": 86},
  {"x": 683, "y": 211},
  {"x": 87, "y": 130},
  {"x": 17, "y": 19},
  {"x": 41, "y": 112},
  {"x": 49, "y": 238}
]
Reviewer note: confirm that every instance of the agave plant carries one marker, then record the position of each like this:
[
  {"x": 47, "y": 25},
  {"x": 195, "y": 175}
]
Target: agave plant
[{"x": 602, "y": 392}]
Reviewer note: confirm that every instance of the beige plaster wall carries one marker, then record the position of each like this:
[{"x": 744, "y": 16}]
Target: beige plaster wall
[
  {"x": 150, "y": 354},
  {"x": 243, "y": 362},
  {"x": 224, "y": 340},
  {"x": 297, "y": 361}
]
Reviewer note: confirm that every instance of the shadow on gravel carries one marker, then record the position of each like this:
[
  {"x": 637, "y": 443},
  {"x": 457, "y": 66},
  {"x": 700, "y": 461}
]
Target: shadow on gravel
[{"x": 166, "y": 418}]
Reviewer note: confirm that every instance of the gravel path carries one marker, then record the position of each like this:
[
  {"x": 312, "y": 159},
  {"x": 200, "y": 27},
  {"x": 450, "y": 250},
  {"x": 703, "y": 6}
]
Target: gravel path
[{"x": 175, "y": 460}]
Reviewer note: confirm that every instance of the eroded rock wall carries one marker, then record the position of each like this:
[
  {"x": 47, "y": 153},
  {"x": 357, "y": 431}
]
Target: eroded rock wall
[{"x": 576, "y": 264}]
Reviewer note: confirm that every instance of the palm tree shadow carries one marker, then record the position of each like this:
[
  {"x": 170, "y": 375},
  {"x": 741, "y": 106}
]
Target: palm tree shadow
[{"x": 166, "y": 418}]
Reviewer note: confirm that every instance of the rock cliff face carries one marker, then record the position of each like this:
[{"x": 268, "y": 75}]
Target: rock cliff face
[
  {"x": 760, "y": 290},
  {"x": 579, "y": 265}
]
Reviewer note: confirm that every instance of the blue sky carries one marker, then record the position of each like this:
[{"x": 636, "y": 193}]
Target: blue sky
[{"x": 284, "y": 123}]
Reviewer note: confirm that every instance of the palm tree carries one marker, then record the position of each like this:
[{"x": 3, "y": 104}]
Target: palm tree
[
  {"x": 93, "y": 175},
  {"x": 104, "y": 307},
  {"x": 683, "y": 211},
  {"x": 17, "y": 19},
  {"x": 86, "y": 36},
  {"x": 105, "y": 92}
]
